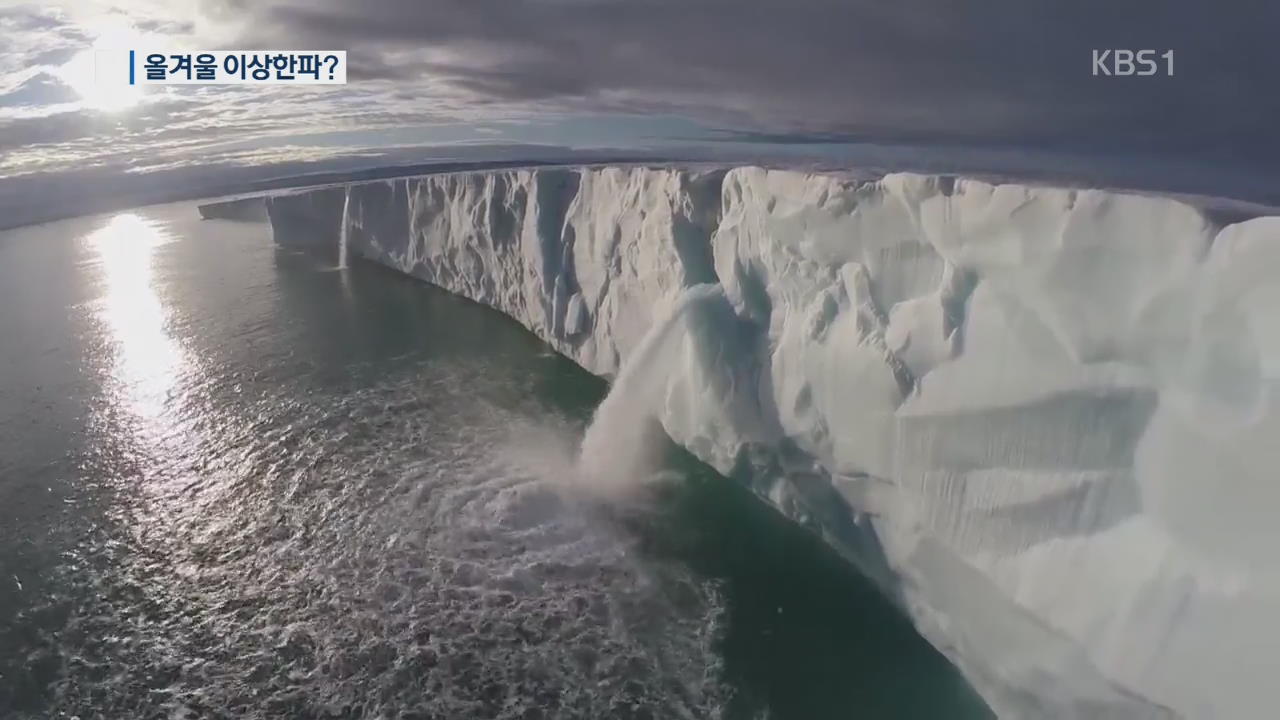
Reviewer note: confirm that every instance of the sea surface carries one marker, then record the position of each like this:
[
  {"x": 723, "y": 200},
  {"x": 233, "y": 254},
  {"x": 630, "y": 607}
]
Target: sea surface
[{"x": 236, "y": 482}]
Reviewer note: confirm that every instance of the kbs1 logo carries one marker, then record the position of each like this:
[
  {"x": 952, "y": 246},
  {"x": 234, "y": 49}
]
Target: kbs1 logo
[{"x": 1128, "y": 63}]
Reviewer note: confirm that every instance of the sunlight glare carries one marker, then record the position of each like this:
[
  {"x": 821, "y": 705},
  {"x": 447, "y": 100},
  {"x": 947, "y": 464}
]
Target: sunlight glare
[
  {"x": 99, "y": 75},
  {"x": 147, "y": 359}
]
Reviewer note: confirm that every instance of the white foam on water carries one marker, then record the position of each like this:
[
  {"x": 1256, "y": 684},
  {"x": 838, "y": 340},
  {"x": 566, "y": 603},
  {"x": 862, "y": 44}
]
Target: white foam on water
[{"x": 407, "y": 547}]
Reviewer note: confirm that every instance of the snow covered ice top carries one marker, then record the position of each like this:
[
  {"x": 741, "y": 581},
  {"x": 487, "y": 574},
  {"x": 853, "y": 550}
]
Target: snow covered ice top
[{"x": 1056, "y": 408}]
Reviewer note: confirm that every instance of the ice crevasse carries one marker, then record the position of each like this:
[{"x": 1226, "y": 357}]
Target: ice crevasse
[{"x": 1047, "y": 420}]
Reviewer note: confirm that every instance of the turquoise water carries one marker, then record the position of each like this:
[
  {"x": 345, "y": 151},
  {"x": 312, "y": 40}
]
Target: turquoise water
[{"x": 235, "y": 482}]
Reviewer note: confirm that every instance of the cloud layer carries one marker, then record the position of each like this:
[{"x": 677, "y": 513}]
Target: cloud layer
[
  {"x": 1002, "y": 74},
  {"x": 996, "y": 71}
]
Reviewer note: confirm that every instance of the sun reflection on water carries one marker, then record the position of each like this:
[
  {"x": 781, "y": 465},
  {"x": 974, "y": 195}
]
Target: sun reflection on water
[{"x": 147, "y": 360}]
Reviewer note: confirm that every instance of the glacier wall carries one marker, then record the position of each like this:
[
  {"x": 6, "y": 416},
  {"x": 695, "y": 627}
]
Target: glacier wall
[{"x": 1056, "y": 411}]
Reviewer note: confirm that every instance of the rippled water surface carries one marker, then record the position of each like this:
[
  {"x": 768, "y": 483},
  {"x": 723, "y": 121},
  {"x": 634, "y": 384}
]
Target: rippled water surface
[{"x": 237, "y": 483}]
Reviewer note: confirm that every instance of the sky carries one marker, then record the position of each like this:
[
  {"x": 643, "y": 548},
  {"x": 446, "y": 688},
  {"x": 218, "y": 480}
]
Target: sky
[{"x": 525, "y": 78}]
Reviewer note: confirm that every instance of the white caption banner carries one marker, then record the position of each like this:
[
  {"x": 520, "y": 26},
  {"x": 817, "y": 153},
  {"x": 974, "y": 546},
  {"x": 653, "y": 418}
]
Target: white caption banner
[{"x": 229, "y": 67}]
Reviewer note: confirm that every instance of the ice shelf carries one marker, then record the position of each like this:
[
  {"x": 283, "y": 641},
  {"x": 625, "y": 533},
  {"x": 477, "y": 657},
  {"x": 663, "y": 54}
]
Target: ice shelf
[{"x": 1055, "y": 410}]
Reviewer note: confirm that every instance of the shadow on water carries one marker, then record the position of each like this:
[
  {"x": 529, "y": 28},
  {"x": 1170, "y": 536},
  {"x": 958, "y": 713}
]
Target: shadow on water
[
  {"x": 807, "y": 637},
  {"x": 417, "y": 321}
]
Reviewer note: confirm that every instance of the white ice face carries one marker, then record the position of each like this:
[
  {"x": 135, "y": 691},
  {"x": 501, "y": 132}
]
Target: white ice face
[{"x": 1058, "y": 409}]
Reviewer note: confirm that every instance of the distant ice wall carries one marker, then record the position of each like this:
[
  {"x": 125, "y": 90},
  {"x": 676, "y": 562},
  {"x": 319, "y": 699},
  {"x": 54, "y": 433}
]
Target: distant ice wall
[
  {"x": 1057, "y": 409},
  {"x": 250, "y": 209}
]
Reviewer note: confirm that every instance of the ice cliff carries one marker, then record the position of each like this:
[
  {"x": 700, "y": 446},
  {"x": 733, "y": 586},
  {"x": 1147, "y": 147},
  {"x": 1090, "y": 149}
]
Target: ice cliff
[{"x": 1055, "y": 412}]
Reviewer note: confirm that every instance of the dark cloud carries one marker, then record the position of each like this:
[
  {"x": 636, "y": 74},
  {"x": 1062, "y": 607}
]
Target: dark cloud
[
  {"x": 29, "y": 19},
  {"x": 33, "y": 19},
  {"x": 157, "y": 121},
  {"x": 40, "y": 89},
  {"x": 1001, "y": 72},
  {"x": 60, "y": 127},
  {"x": 56, "y": 56},
  {"x": 161, "y": 27},
  {"x": 999, "y": 85}
]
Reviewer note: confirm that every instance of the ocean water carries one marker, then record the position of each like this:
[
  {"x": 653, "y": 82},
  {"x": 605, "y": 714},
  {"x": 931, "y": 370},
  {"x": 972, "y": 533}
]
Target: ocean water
[{"x": 238, "y": 483}]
